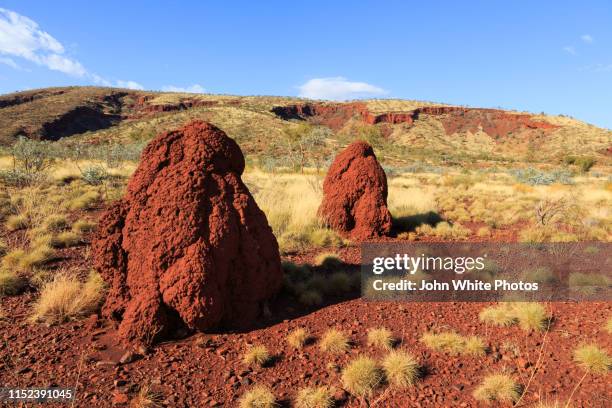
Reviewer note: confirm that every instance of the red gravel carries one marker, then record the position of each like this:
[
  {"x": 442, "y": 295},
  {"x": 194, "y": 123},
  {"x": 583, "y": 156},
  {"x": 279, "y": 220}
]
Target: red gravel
[{"x": 204, "y": 370}]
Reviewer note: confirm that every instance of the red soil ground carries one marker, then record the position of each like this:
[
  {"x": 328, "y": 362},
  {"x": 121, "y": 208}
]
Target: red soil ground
[{"x": 207, "y": 369}]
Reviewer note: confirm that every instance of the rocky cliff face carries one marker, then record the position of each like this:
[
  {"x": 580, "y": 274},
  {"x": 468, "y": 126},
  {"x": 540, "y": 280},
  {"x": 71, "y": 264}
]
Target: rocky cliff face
[{"x": 496, "y": 123}]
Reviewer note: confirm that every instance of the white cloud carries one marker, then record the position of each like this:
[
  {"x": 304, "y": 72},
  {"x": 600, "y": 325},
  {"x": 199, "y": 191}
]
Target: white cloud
[
  {"x": 338, "y": 88},
  {"x": 21, "y": 37},
  {"x": 129, "y": 85},
  {"x": 570, "y": 50},
  {"x": 586, "y": 38},
  {"x": 10, "y": 62},
  {"x": 62, "y": 64},
  {"x": 195, "y": 88}
]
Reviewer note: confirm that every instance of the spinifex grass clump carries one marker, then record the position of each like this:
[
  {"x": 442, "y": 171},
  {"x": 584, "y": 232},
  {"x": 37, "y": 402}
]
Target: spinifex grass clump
[
  {"x": 528, "y": 315},
  {"x": 401, "y": 368},
  {"x": 380, "y": 338},
  {"x": 314, "y": 397},
  {"x": 328, "y": 260},
  {"x": 334, "y": 341},
  {"x": 256, "y": 355},
  {"x": 592, "y": 359},
  {"x": 497, "y": 387},
  {"x": 297, "y": 338},
  {"x": 65, "y": 298},
  {"x": 258, "y": 397},
  {"x": 608, "y": 326},
  {"x": 361, "y": 377},
  {"x": 10, "y": 282}
]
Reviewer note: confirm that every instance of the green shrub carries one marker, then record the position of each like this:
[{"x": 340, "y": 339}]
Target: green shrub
[{"x": 94, "y": 175}]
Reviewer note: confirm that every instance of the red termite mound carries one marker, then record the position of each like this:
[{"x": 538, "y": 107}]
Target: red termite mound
[
  {"x": 187, "y": 248},
  {"x": 355, "y": 194}
]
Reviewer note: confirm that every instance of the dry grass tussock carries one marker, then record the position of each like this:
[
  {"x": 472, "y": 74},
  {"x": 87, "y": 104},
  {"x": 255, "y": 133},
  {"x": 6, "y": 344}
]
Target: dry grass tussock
[
  {"x": 65, "y": 298},
  {"x": 401, "y": 369},
  {"x": 497, "y": 387},
  {"x": 298, "y": 338},
  {"x": 381, "y": 338},
  {"x": 362, "y": 376},
  {"x": 146, "y": 398},
  {"x": 257, "y": 397},
  {"x": 314, "y": 397},
  {"x": 593, "y": 359},
  {"x": 528, "y": 315},
  {"x": 256, "y": 355},
  {"x": 334, "y": 341}
]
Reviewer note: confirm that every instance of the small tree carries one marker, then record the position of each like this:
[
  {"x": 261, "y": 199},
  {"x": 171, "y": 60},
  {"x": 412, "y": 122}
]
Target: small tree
[
  {"x": 305, "y": 142},
  {"x": 31, "y": 156}
]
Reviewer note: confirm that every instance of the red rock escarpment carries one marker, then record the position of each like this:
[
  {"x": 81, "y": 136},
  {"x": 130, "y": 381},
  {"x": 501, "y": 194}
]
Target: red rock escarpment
[
  {"x": 187, "y": 247},
  {"x": 494, "y": 122}
]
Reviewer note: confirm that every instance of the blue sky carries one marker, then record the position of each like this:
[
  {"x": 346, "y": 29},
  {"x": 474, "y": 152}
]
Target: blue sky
[{"x": 545, "y": 56}]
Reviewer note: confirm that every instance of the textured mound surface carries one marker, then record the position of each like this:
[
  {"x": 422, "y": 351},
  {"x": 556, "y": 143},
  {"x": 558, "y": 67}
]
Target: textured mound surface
[
  {"x": 187, "y": 247},
  {"x": 355, "y": 194}
]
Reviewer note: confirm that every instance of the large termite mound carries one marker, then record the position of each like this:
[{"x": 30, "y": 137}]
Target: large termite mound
[
  {"x": 355, "y": 194},
  {"x": 187, "y": 248}
]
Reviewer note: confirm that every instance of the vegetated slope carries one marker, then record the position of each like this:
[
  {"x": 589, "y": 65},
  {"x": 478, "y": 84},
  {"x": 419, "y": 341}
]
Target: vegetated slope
[{"x": 256, "y": 122}]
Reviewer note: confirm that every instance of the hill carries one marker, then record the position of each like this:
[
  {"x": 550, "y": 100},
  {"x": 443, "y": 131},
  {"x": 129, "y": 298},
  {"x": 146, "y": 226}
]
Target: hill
[{"x": 401, "y": 130}]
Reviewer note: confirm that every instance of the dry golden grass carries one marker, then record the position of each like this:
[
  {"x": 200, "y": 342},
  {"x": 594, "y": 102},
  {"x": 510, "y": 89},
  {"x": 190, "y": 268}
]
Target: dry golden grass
[
  {"x": 381, "y": 338},
  {"x": 298, "y": 338},
  {"x": 499, "y": 315},
  {"x": 146, "y": 398},
  {"x": 22, "y": 261},
  {"x": 85, "y": 201},
  {"x": 295, "y": 223},
  {"x": 10, "y": 282},
  {"x": 328, "y": 260},
  {"x": 531, "y": 315},
  {"x": 16, "y": 222},
  {"x": 82, "y": 226},
  {"x": 256, "y": 355},
  {"x": 592, "y": 358},
  {"x": 528, "y": 315},
  {"x": 401, "y": 368},
  {"x": 55, "y": 222},
  {"x": 608, "y": 326},
  {"x": 474, "y": 346},
  {"x": 66, "y": 239},
  {"x": 65, "y": 298},
  {"x": 454, "y": 343},
  {"x": 258, "y": 397},
  {"x": 314, "y": 397},
  {"x": 497, "y": 387},
  {"x": 334, "y": 341},
  {"x": 362, "y": 376}
]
